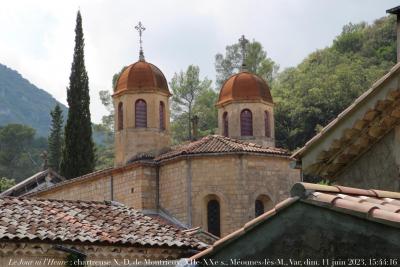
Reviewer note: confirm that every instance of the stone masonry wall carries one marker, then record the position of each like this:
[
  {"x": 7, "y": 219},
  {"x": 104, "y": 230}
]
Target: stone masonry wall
[
  {"x": 257, "y": 109},
  {"x": 134, "y": 187},
  {"x": 173, "y": 189},
  {"x": 235, "y": 181}
]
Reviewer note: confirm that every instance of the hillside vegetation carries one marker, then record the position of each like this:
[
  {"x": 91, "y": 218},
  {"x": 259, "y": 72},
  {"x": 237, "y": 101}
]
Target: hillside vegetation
[
  {"x": 313, "y": 93},
  {"x": 23, "y": 103}
]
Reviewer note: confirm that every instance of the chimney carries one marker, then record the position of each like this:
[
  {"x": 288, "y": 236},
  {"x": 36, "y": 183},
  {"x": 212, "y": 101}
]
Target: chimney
[
  {"x": 396, "y": 11},
  {"x": 195, "y": 122}
]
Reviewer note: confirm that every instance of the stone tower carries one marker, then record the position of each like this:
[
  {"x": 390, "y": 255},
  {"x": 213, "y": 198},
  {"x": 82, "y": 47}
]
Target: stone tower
[
  {"x": 246, "y": 109},
  {"x": 141, "y": 101},
  {"x": 245, "y": 106}
]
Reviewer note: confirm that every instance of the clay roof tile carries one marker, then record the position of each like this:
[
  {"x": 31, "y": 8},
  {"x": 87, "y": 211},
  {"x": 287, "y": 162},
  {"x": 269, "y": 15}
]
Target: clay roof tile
[{"x": 81, "y": 221}]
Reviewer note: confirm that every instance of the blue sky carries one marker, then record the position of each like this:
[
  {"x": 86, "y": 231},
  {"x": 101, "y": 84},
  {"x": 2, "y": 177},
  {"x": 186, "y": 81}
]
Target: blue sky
[{"x": 37, "y": 36}]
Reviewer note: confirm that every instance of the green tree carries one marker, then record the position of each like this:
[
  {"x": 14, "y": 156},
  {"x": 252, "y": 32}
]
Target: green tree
[
  {"x": 204, "y": 109},
  {"x": 312, "y": 94},
  {"x": 55, "y": 139},
  {"x": 105, "y": 150},
  {"x": 107, "y": 120},
  {"x": 19, "y": 151},
  {"x": 106, "y": 99},
  {"x": 186, "y": 87},
  {"x": 78, "y": 152},
  {"x": 6, "y": 183},
  {"x": 256, "y": 62}
]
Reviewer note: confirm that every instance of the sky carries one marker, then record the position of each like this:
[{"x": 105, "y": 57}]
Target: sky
[{"x": 37, "y": 37}]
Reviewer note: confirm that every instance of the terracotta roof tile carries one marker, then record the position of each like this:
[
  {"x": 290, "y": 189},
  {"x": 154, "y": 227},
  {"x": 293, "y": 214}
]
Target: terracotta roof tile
[
  {"x": 82, "y": 221},
  {"x": 361, "y": 202},
  {"x": 219, "y": 144},
  {"x": 384, "y": 210}
]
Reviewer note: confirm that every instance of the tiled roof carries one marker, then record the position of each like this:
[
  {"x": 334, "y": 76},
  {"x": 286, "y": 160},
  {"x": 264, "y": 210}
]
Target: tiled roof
[
  {"x": 86, "y": 221},
  {"x": 219, "y": 144},
  {"x": 374, "y": 205},
  {"x": 36, "y": 182}
]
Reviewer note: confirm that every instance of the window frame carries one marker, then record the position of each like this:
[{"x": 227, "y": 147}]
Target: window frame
[
  {"x": 246, "y": 123},
  {"x": 140, "y": 114}
]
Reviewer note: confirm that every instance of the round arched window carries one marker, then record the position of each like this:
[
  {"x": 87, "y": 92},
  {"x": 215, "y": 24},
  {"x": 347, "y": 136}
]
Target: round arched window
[
  {"x": 225, "y": 124},
  {"x": 162, "y": 115},
  {"x": 246, "y": 123},
  {"x": 140, "y": 114},
  {"x": 120, "y": 121},
  {"x": 267, "y": 124},
  {"x": 213, "y": 217}
]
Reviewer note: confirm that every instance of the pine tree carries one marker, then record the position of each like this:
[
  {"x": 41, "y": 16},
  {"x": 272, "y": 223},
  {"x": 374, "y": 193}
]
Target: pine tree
[
  {"x": 78, "y": 151},
  {"x": 55, "y": 138}
]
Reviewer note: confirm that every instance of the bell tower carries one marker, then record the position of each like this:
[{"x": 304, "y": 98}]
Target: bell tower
[
  {"x": 142, "y": 115},
  {"x": 245, "y": 107}
]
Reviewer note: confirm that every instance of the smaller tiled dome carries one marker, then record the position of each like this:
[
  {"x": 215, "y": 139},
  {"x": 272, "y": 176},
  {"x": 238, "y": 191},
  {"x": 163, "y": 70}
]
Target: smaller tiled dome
[
  {"x": 244, "y": 86},
  {"x": 141, "y": 75}
]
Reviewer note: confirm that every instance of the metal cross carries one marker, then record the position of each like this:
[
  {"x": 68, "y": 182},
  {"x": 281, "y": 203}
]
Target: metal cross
[
  {"x": 140, "y": 28},
  {"x": 243, "y": 42}
]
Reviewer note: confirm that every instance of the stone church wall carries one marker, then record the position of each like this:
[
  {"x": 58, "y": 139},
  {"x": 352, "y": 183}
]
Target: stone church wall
[
  {"x": 257, "y": 109},
  {"x": 378, "y": 168},
  {"x": 173, "y": 189},
  {"x": 134, "y": 187},
  {"x": 235, "y": 181}
]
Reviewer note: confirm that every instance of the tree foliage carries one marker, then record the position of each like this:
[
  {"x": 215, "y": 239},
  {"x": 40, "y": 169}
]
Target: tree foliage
[
  {"x": 312, "y": 94},
  {"x": 55, "y": 139},
  {"x": 78, "y": 152},
  {"x": 106, "y": 99},
  {"x": 20, "y": 151},
  {"x": 256, "y": 61},
  {"x": 6, "y": 183},
  {"x": 186, "y": 88}
]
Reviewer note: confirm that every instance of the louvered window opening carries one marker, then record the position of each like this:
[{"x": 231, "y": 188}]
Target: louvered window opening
[
  {"x": 120, "y": 116},
  {"x": 259, "y": 208},
  {"x": 246, "y": 123},
  {"x": 213, "y": 217},
  {"x": 140, "y": 114},
  {"x": 225, "y": 124},
  {"x": 267, "y": 124},
  {"x": 162, "y": 116}
]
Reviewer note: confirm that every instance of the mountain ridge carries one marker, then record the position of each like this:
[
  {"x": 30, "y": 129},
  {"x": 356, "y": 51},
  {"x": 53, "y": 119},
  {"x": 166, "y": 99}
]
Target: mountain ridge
[{"x": 24, "y": 103}]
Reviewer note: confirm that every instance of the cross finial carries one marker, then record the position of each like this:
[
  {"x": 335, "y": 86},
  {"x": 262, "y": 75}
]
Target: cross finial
[
  {"x": 140, "y": 28},
  {"x": 243, "y": 42}
]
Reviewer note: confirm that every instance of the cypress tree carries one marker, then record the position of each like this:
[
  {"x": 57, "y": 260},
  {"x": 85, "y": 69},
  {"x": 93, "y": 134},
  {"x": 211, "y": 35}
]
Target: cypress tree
[
  {"x": 78, "y": 151},
  {"x": 55, "y": 138}
]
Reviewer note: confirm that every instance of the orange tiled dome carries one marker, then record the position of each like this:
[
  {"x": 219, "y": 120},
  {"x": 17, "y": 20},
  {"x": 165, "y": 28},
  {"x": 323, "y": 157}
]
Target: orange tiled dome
[
  {"x": 141, "y": 76},
  {"x": 244, "y": 86}
]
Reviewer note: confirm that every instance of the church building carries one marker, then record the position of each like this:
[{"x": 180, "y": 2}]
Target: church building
[{"x": 218, "y": 182}]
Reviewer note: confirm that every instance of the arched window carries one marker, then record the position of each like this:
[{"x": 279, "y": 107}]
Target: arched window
[
  {"x": 162, "y": 115},
  {"x": 259, "y": 207},
  {"x": 120, "y": 116},
  {"x": 262, "y": 204},
  {"x": 213, "y": 217},
  {"x": 246, "y": 123},
  {"x": 267, "y": 124},
  {"x": 225, "y": 124},
  {"x": 140, "y": 114}
]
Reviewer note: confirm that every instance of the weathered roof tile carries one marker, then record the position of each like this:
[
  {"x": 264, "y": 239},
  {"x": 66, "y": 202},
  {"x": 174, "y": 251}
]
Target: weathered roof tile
[
  {"x": 219, "y": 144},
  {"x": 81, "y": 221}
]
